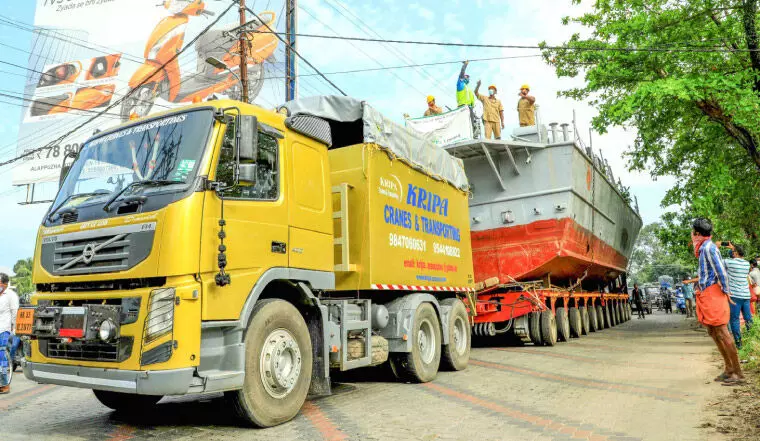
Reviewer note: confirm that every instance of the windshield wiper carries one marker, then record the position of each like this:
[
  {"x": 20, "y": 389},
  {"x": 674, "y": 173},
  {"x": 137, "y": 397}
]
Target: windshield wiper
[
  {"x": 147, "y": 183},
  {"x": 72, "y": 209}
]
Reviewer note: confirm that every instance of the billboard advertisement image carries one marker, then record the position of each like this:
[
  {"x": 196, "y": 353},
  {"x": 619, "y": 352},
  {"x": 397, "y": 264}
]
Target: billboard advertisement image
[{"x": 120, "y": 59}]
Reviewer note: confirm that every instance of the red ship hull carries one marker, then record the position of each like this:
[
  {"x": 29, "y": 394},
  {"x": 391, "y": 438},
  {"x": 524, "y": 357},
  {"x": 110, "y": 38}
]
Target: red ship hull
[{"x": 560, "y": 248}]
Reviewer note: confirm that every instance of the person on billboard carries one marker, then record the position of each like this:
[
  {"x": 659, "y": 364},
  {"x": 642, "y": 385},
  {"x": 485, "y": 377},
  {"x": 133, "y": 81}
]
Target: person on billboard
[
  {"x": 493, "y": 112},
  {"x": 526, "y": 107},
  {"x": 8, "y": 310},
  {"x": 432, "y": 108},
  {"x": 713, "y": 299}
]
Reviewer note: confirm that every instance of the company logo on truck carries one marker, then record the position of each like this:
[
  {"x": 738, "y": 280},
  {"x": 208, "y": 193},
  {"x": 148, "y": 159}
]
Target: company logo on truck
[
  {"x": 391, "y": 187},
  {"x": 427, "y": 200}
]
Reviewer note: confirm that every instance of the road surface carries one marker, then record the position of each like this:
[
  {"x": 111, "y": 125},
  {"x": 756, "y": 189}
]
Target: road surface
[{"x": 642, "y": 380}]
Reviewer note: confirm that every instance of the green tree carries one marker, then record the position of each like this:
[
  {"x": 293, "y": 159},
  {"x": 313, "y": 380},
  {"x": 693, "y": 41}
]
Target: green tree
[
  {"x": 686, "y": 75},
  {"x": 22, "y": 281},
  {"x": 650, "y": 259}
]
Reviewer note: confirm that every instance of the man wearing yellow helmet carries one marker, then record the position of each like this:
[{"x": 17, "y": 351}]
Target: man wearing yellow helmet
[
  {"x": 493, "y": 112},
  {"x": 526, "y": 107},
  {"x": 432, "y": 108}
]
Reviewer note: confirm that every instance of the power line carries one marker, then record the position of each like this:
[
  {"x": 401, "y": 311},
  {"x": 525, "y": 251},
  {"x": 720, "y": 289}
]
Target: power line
[
  {"x": 292, "y": 48},
  {"x": 707, "y": 49},
  {"x": 31, "y": 152}
]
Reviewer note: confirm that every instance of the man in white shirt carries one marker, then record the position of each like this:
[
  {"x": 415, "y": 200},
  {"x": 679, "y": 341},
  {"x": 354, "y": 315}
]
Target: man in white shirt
[{"x": 8, "y": 310}]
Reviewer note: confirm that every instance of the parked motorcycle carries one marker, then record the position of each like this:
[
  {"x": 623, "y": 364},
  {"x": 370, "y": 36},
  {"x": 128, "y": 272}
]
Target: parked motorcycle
[
  {"x": 680, "y": 303},
  {"x": 159, "y": 77}
]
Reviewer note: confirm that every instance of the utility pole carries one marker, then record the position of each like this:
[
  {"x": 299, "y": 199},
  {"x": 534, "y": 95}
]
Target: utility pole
[
  {"x": 291, "y": 66},
  {"x": 243, "y": 43}
]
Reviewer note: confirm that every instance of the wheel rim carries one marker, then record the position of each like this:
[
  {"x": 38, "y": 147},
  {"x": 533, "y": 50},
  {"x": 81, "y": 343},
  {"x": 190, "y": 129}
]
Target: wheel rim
[
  {"x": 460, "y": 335},
  {"x": 280, "y": 363},
  {"x": 426, "y": 341}
]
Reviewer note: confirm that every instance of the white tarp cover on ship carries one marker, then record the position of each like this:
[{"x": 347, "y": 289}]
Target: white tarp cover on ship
[{"x": 402, "y": 142}]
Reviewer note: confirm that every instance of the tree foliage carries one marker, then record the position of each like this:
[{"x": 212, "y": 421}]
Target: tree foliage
[
  {"x": 22, "y": 281},
  {"x": 650, "y": 259},
  {"x": 691, "y": 89}
]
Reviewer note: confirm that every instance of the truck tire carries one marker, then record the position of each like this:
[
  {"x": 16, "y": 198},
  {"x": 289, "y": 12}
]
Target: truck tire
[
  {"x": 124, "y": 402},
  {"x": 563, "y": 324},
  {"x": 619, "y": 309},
  {"x": 278, "y": 364},
  {"x": 548, "y": 328},
  {"x": 608, "y": 316},
  {"x": 585, "y": 320},
  {"x": 592, "y": 319},
  {"x": 534, "y": 327},
  {"x": 576, "y": 322},
  {"x": 600, "y": 317},
  {"x": 456, "y": 354},
  {"x": 614, "y": 313},
  {"x": 421, "y": 364}
]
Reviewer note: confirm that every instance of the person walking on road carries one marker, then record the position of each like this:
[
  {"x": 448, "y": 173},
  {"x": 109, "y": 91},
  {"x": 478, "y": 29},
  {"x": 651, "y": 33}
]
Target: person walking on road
[
  {"x": 667, "y": 304},
  {"x": 637, "y": 300},
  {"x": 713, "y": 301},
  {"x": 754, "y": 284},
  {"x": 688, "y": 296},
  {"x": 738, "y": 280},
  {"x": 493, "y": 112},
  {"x": 8, "y": 310}
]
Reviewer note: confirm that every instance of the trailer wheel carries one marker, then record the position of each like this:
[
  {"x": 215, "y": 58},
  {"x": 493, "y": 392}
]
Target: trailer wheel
[
  {"x": 456, "y": 354},
  {"x": 584, "y": 320},
  {"x": 592, "y": 322},
  {"x": 576, "y": 324},
  {"x": 278, "y": 363},
  {"x": 421, "y": 364},
  {"x": 613, "y": 314},
  {"x": 548, "y": 328},
  {"x": 619, "y": 309},
  {"x": 608, "y": 316},
  {"x": 563, "y": 324},
  {"x": 534, "y": 325},
  {"x": 124, "y": 402},
  {"x": 600, "y": 318}
]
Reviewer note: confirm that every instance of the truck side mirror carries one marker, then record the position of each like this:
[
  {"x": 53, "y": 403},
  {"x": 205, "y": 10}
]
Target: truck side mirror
[
  {"x": 247, "y": 174},
  {"x": 68, "y": 162},
  {"x": 248, "y": 136}
]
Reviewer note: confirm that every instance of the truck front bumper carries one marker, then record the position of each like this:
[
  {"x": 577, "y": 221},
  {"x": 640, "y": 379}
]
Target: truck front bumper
[{"x": 168, "y": 382}]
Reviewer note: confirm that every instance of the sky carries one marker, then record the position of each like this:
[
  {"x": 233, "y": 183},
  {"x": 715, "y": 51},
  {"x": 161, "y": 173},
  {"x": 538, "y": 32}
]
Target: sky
[{"x": 393, "y": 92}]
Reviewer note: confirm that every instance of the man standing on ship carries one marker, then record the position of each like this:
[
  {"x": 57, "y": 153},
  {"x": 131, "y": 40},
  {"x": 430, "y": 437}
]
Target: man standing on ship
[
  {"x": 713, "y": 301},
  {"x": 526, "y": 107},
  {"x": 493, "y": 112},
  {"x": 465, "y": 97}
]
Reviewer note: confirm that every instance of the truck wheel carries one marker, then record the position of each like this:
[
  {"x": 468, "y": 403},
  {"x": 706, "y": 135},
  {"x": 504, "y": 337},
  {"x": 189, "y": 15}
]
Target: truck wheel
[
  {"x": 614, "y": 315},
  {"x": 600, "y": 317},
  {"x": 585, "y": 325},
  {"x": 548, "y": 328},
  {"x": 563, "y": 324},
  {"x": 278, "y": 363},
  {"x": 608, "y": 316},
  {"x": 576, "y": 324},
  {"x": 456, "y": 354},
  {"x": 592, "y": 322},
  {"x": 619, "y": 309},
  {"x": 421, "y": 364},
  {"x": 534, "y": 325},
  {"x": 124, "y": 402}
]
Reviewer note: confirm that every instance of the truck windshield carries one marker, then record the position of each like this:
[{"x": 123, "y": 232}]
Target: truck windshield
[{"x": 166, "y": 149}]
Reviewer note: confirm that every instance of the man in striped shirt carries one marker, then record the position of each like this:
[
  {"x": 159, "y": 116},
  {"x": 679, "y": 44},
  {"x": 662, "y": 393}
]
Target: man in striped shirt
[
  {"x": 712, "y": 300},
  {"x": 738, "y": 280}
]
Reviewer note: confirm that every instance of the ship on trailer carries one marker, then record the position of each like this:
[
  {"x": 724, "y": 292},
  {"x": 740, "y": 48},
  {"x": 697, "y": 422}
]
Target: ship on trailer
[{"x": 552, "y": 232}]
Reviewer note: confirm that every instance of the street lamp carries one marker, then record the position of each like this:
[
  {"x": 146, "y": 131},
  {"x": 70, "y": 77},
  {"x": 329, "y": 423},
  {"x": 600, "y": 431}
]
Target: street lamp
[{"x": 217, "y": 63}]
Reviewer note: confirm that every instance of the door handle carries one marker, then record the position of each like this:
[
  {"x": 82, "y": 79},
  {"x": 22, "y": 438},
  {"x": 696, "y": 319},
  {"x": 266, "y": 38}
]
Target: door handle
[{"x": 279, "y": 247}]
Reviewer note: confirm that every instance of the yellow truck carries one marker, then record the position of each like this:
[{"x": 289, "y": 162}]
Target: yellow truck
[{"x": 222, "y": 247}]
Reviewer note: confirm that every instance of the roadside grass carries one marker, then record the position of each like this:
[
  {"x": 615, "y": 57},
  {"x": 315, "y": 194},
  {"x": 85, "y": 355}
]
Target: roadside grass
[{"x": 750, "y": 350}]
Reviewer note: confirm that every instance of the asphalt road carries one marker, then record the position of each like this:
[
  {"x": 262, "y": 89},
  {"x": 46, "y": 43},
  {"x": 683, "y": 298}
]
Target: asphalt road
[{"x": 642, "y": 380}]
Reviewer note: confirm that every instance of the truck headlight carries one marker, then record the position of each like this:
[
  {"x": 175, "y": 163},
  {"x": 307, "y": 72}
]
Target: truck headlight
[
  {"x": 160, "y": 319},
  {"x": 106, "y": 331}
]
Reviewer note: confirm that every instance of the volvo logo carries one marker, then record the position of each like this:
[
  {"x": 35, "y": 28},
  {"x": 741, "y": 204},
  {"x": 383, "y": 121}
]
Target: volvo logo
[{"x": 88, "y": 253}]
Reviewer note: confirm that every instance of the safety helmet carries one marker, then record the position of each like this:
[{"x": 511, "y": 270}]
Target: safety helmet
[
  {"x": 430, "y": 99},
  {"x": 524, "y": 86},
  {"x": 493, "y": 87}
]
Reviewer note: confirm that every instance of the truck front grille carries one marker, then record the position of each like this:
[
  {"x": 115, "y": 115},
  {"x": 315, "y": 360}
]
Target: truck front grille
[
  {"x": 88, "y": 351},
  {"x": 110, "y": 253}
]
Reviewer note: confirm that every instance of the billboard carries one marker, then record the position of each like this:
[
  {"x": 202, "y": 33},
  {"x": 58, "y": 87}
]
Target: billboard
[
  {"x": 444, "y": 129},
  {"x": 88, "y": 55}
]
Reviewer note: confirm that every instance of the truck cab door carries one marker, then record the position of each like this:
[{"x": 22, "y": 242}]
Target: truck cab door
[{"x": 256, "y": 229}]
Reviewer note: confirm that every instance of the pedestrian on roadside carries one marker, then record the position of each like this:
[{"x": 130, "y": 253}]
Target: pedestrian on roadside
[
  {"x": 688, "y": 296},
  {"x": 738, "y": 280},
  {"x": 8, "y": 310},
  {"x": 493, "y": 112},
  {"x": 713, "y": 300},
  {"x": 637, "y": 300},
  {"x": 465, "y": 97},
  {"x": 754, "y": 285}
]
